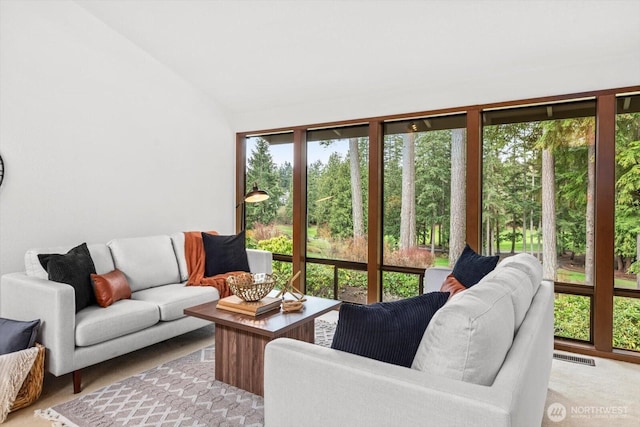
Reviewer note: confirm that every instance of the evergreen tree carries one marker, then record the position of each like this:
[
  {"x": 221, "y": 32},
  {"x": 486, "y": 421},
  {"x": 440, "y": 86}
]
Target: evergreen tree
[{"x": 261, "y": 170}]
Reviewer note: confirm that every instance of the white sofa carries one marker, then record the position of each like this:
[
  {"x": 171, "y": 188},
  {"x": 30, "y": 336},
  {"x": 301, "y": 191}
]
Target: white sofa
[
  {"x": 156, "y": 269},
  {"x": 485, "y": 360}
]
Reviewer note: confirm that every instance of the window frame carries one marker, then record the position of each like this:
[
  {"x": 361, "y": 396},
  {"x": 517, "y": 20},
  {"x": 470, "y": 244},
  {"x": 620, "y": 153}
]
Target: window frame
[{"x": 603, "y": 291}]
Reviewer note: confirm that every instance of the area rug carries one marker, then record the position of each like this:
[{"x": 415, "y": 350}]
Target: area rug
[{"x": 182, "y": 392}]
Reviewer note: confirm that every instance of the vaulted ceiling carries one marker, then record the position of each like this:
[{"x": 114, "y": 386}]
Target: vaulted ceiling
[{"x": 256, "y": 56}]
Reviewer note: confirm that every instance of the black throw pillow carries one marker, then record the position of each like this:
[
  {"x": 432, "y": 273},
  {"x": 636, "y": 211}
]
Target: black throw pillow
[
  {"x": 17, "y": 335},
  {"x": 471, "y": 267},
  {"x": 387, "y": 331},
  {"x": 224, "y": 254},
  {"x": 73, "y": 268}
]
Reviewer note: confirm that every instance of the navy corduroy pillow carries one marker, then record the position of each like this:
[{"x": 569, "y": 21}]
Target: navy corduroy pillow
[
  {"x": 471, "y": 267},
  {"x": 387, "y": 331}
]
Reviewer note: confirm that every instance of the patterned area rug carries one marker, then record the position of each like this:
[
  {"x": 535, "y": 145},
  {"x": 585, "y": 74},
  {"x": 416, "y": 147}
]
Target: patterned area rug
[{"x": 182, "y": 392}]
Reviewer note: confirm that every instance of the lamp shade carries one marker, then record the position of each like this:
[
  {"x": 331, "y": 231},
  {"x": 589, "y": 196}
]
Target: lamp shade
[{"x": 256, "y": 195}]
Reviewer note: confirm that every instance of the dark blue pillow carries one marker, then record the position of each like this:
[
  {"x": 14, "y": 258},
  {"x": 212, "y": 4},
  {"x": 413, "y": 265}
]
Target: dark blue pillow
[
  {"x": 471, "y": 267},
  {"x": 73, "y": 268},
  {"x": 387, "y": 331},
  {"x": 16, "y": 335},
  {"x": 224, "y": 254}
]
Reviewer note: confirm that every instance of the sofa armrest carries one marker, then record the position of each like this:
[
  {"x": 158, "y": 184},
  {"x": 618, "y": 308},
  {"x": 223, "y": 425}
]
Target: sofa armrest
[
  {"x": 306, "y": 384},
  {"x": 260, "y": 261},
  {"x": 27, "y": 298}
]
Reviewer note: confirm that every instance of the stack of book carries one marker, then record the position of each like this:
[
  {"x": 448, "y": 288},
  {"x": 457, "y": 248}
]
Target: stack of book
[{"x": 254, "y": 308}]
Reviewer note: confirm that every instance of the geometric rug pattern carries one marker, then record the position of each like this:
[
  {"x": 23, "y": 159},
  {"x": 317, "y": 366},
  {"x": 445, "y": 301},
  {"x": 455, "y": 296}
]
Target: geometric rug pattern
[{"x": 182, "y": 392}]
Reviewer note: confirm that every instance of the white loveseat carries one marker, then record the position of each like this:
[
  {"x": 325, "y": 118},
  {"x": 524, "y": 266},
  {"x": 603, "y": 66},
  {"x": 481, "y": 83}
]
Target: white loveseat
[
  {"x": 156, "y": 269},
  {"x": 498, "y": 333}
]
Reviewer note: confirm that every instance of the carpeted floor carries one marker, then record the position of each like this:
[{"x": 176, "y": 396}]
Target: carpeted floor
[
  {"x": 603, "y": 395},
  {"x": 181, "y": 392}
]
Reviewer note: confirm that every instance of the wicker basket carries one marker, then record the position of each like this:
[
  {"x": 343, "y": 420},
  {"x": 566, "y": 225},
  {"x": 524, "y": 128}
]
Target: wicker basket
[
  {"x": 32, "y": 385},
  {"x": 251, "y": 287}
]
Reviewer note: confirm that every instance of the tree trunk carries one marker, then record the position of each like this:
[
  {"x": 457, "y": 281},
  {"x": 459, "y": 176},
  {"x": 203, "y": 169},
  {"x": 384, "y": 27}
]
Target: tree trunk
[
  {"x": 513, "y": 236},
  {"x": 538, "y": 245},
  {"x": 408, "y": 208},
  {"x": 549, "y": 256},
  {"x": 432, "y": 235},
  {"x": 433, "y": 240},
  {"x": 487, "y": 249},
  {"x": 497, "y": 235},
  {"x": 590, "y": 214},
  {"x": 524, "y": 232},
  {"x": 356, "y": 189},
  {"x": 531, "y": 244},
  {"x": 458, "y": 211}
]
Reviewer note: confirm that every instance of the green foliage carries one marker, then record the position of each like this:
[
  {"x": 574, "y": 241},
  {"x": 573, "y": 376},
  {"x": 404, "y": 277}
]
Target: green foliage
[
  {"x": 261, "y": 170},
  {"x": 511, "y": 204},
  {"x": 627, "y": 225},
  {"x": 278, "y": 245},
  {"x": 572, "y": 316},
  {"x": 320, "y": 280},
  {"x": 333, "y": 213},
  {"x": 399, "y": 285},
  {"x": 626, "y": 323},
  {"x": 572, "y": 319}
]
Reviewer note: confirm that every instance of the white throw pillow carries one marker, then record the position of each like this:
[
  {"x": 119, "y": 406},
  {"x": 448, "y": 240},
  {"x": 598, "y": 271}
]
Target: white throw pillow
[
  {"x": 517, "y": 284},
  {"x": 528, "y": 264},
  {"x": 470, "y": 336}
]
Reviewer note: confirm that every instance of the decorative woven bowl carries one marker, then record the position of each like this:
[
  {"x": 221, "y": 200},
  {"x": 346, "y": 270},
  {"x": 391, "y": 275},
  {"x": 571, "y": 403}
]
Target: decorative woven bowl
[{"x": 251, "y": 287}]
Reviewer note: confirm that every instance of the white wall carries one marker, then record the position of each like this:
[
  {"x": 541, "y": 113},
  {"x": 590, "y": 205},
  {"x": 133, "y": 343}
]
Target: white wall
[{"x": 99, "y": 139}]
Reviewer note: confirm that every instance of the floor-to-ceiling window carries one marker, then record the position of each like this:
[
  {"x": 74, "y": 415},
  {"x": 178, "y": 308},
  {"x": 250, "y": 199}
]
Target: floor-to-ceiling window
[
  {"x": 537, "y": 196},
  {"x": 626, "y": 313},
  {"x": 268, "y": 224},
  {"x": 537, "y": 177},
  {"x": 336, "y": 223},
  {"x": 424, "y": 161}
]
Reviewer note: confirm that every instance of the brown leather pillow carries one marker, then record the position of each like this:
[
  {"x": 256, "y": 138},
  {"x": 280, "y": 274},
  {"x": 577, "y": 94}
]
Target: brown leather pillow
[
  {"x": 451, "y": 285},
  {"x": 110, "y": 287}
]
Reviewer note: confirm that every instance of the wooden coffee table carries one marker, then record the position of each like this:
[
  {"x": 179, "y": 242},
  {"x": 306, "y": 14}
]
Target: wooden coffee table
[{"x": 241, "y": 339}]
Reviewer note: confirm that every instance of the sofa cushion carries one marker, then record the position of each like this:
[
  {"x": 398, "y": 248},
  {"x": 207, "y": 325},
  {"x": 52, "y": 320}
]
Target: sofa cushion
[
  {"x": 110, "y": 287},
  {"x": 73, "y": 268},
  {"x": 386, "y": 331},
  {"x": 224, "y": 254},
  {"x": 469, "y": 337},
  {"x": 518, "y": 285},
  {"x": 471, "y": 267},
  {"x": 529, "y": 265},
  {"x": 145, "y": 261},
  {"x": 177, "y": 240},
  {"x": 100, "y": 255},
  {"x": 95, "y": 324},
  {"x": 173, "y": 299},
  {"x": 17, "y": 335}
]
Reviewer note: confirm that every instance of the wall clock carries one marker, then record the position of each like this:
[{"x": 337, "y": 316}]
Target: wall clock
[{"x": 1, "y": 170}]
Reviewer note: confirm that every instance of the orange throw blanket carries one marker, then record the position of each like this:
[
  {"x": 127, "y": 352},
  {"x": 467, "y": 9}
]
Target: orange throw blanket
[{"x": 195, "y": 256}]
